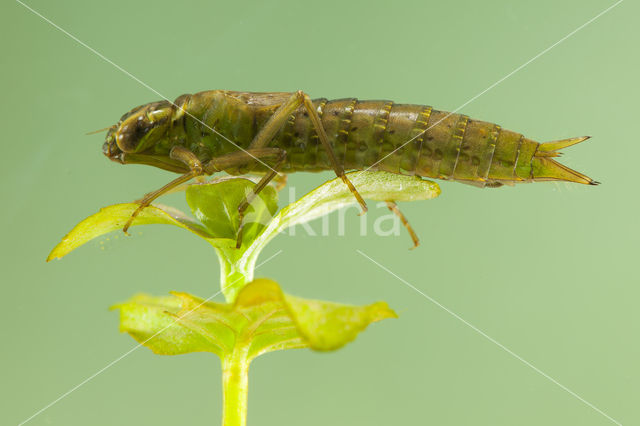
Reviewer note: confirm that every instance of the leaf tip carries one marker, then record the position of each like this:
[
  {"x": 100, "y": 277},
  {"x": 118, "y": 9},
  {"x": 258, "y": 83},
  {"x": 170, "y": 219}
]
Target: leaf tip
[
  {"x": 57, "y": 253},
  {"x": 116, "y": 306},
  {"x": 382, "y": 311}
]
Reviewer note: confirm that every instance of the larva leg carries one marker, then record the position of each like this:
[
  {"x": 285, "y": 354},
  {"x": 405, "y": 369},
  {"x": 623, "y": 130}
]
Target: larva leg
[
  {"x": 280, "y": 181},
  {"x": 279, "y": 118},
  {"x": 276, "y": 121},
  {"x": 256, "y": 190},
  {"x": 239, "y": 159},
  {"x": 197, "y": 170},
  {"x": 322, "y": 135},
  {"x": 177, "y": 153},
  {"x": 391, "y": 205},
  {"x": 242, "y": 158}
]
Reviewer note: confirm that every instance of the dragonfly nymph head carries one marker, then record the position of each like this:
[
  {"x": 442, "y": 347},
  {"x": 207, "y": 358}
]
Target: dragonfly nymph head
[{"x": 138, "y": 130}]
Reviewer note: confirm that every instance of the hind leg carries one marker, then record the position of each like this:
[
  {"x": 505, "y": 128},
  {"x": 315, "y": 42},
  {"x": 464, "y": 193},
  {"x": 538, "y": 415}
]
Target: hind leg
[
  {"x": 279, "y": 118},
  {"x": 391, "y": 205}
]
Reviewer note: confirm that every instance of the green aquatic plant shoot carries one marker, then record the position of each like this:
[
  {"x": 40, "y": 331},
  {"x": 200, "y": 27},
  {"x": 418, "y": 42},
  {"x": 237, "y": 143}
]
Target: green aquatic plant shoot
[{"x": 257, "y": 316}]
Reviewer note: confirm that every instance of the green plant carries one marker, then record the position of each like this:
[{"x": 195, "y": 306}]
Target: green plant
[{"x": 258, "y": 317}]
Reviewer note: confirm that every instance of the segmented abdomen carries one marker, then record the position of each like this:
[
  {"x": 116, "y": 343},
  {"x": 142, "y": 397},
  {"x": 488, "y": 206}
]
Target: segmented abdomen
[{"x": 407, "y": 139}]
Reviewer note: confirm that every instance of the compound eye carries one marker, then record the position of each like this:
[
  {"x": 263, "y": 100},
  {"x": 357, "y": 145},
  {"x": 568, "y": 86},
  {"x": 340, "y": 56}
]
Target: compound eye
[
  {"x": 138, "y": 129},
  {"x": 132, "y": 132},
  {"x": 124, "y": 143},
  {"x": 142, "y": 127}
]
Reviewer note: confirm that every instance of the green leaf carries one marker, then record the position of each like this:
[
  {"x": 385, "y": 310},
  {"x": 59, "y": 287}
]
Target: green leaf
[
  {"x": 113, "y": 218},
  {"x": 261, "y": 320},
  {"x": 328, "y": 326},
  {"x": 215, "y": 204},
  {"x": 333, "y": 195},
  {"x": 151, "y": 321}
]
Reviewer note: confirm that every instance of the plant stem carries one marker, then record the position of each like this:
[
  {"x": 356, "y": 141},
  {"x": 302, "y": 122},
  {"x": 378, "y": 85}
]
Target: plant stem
[
  {"x": 235, "y": 271},
  {"x": 235, "y": 386}
]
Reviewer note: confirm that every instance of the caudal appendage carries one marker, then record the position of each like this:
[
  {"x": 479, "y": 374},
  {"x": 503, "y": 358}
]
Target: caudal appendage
[{"x": 544, "y": 167}]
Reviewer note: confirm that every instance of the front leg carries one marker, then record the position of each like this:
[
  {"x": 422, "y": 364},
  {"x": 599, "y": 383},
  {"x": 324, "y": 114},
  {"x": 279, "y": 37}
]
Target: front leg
[{"x": 177, "y": 153}]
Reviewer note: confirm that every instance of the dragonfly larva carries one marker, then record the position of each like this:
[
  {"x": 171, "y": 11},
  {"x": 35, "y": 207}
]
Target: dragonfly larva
[{"x": 279, "y": 132}]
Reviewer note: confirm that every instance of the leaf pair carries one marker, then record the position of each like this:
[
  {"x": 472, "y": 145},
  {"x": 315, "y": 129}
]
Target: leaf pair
[
  {"x": 215, "y": 206},
  {"x": 262, "y": 319}
]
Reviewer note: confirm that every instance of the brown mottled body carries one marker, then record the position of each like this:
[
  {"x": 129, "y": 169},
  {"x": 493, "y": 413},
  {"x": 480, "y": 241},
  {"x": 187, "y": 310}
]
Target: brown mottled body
[
  {"x": 375, "y": 135},
  {"x": 267, "y": 133}
]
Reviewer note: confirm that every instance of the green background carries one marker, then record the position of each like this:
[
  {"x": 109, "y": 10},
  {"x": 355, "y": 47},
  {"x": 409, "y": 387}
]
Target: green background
[{"x": 548, "y": 270}]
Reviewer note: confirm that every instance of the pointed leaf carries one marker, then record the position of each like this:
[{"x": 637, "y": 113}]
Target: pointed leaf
[
  {"x": 333, "y": 195},
  {"x": 327, "y": 326},
  {"x": 151, "y": 322},
  {"x": 113, "y": 218}
]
